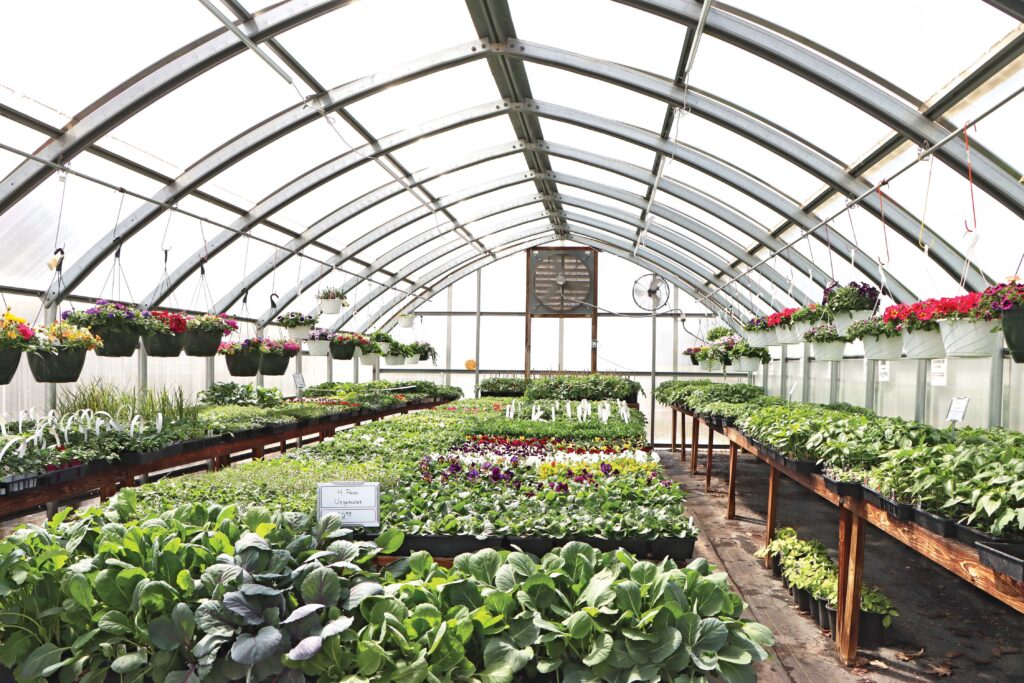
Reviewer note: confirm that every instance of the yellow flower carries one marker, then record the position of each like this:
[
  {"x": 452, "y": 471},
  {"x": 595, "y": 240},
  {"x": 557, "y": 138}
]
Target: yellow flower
[{"x": 10, "y": 317}]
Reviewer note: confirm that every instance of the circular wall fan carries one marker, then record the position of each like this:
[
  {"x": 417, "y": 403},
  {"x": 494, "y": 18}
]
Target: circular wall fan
[{"x": 650, "y": 292}]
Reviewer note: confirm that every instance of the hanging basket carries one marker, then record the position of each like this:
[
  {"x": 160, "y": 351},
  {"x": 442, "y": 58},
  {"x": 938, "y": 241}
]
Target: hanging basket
[
  {"x": 412, "y": 360},
  {"x": 787, "y": 334},
  {"x": 802, "y": 328},
  {"x": 274, "y": 365},
  {"x": 710, "y": 366},
  {"x": 883, "y": 348},
  {"x": 923, "y": 344},
  {"x": 116, "y": 344},
  {"x": 394, "y": 360},
  {"x": 344, "y": 351},
  {"x": 828, "y": 351},
  {"x": 385, "y": 347},
  {"x": 63, "y": 366},
  {"x": 300, "y": 332},
  {"x": 843, "y": 319},
  {"x": 746, "y": 364},
  {"x": 1013, "y": 332},
  {"x": 969, "y": 338},
  {"x": 202, "y": 344},
  {"x": 318, "y": 347},
  {"x": 406, "y": 320},
  {"x": 164, "y": 344},
  {"x": 9, "y": 361},
  {"x": 368, "y": 358},
  {"x": 761, "y": 338},
  {"x": 243, "y": 364},
  {"x": 424, "y": 356},
  {"x": 329, "y": 306}
]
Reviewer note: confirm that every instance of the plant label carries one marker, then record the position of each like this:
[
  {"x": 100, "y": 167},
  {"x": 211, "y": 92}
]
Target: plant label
[
  {"x": 883, "y": 371},
  {"x": 938, "y": 372},
  {"x": 957, "y": 409},
  {"x": 300, "y": 381},
  {"x": 356, "y": 502}
]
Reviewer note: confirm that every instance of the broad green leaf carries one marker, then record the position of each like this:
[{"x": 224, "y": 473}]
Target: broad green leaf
[
  {"x": 129, "y": 662},
  {"x": 249, "y": 649},
  {"x": 321, "y": 586}
]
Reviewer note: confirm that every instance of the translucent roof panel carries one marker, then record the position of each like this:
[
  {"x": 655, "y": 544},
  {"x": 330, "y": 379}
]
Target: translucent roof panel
[
  {"x": 486, "y": 203},
  {"x": 784, "y": 98},
  {"x": 457, "y": 181},
  {"x": 920, "y": 66},
  {"x": 74, "y": 73},
  {"x": 313, "y": 206},
  {"x": 455, "y": 144},
  {"x": 357, "y": 226},
  {"x": 724, "y": 194},
  {"x": 574, "y": 194},
  {"x": 1000, "y": 131},
  {"x": 713, "y": 222},
  {"x": 19, "y": 137},
  {"x": 597, "y": 143},
  {"x": 598, "y": 175},
  {"x": 335, "y": 48},
  {"x": 487, "y": 225}
]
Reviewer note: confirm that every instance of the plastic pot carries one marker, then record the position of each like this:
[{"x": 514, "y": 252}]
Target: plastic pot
[
  {"x": 318, "y": 347},
  {"x": 9, "y": 361},
  {"x": 64, "y": 366},
  {"x": 342, "y": 351},
  {"x": 1005, "y": 558},
  {"x": 788, "y": 334},
  {"x": 972, "y": 536},
  {"x": 802, "y": 466},
  {"x": 679, "y": 549},
  {"x": 828, "y": 351},
  {"x": 202, "y": 344},
  {"x": 412, "y": 360},
  {"x": 761, "y": 338},
  {"x": 871, "y": 496},
  {"x": 368, "y": 358},
  {"x": 271, "y": 364},
  {"x": 803, "y": 599},
  {"x": 822, "y": 613},
  {"x": 746, "y": 364},
  {"x": 116, "y": 344},
  {"x": 693, "y": 359},
  {"x": 424, "y": 356},
  {"x": 329, "y": 306},
  {"x": 776, "y": 566},
  {"x": 710, "y": 365},
  {"x": 969, "y": 338},
  {"x": 843, "y": 319},
  {"x": 1013, "y": 332},
  {"x": 406, "y": 320},
  {"x": 394, "y": 360},
  {"x": 848, "y": 489},
  {"x": 164, "y": 344},
  {"x": 535, "y": 545},
  {"x": 923, "y": 344},
  {"x": 902, "y": 512},
  {"x": 813, "y": 606},
  {"x": 937, "y": 524},
  {"x": 831, "y": 620},
  {"x": 16, "y": 483},
  {"x": 801, "y": 328},
  {"x": 385, "y": 347},
  {"x": 243, "y": 364},
  {"x": 300, "y": 332},
  {"x": 447, "y": 546},
  {"x": 871, "y": 632},
  {"x": 883, "y": 348}
]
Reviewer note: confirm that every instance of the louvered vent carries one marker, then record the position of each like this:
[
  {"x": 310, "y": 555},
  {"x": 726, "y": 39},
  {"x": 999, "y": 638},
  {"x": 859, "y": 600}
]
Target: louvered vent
[{"x": 562, "y": 282}]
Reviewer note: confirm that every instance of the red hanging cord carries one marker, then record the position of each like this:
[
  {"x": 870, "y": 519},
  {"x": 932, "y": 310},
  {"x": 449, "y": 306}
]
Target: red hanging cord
[
  {"x": 885, "y": 229},
  {"x": 970, "y": 180}
]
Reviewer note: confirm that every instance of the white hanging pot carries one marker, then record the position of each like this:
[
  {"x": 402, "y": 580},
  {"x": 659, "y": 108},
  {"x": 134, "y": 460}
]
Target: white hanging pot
[
  {"x": 406, "y": 320},
  {"x": 357, "y": 352},
  {"x": 787, "y": 334},
  {"x": 826, "y": 351},
  {"x": 298, "y": 332},
  {"x": 883, "y": 348},
  {"x": 710, "y": 365},
  {"x": 368, "y": 358},
  {"x": 843, "y": 319},
  {"x": 412, "y": 360},
  {"x": 394, "y": 360},
  {"x": 759, "y": 338},
  {"x": 384, "y": 347},
  {"x": 923, "y": 344},
  {"x": 318, "y": 347},
  {"x": 969, "y": 338},
  {"x": 802, "y": 328},
  {"x": 329, "y": 306},
  {"x": 746, "y": 364}
]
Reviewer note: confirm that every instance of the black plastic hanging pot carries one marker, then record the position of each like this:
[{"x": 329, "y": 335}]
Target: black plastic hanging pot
[
  {"x": 1013, "y": 331},
  {"x": 424, "y": 356},
  {"x": 9, "y": 360},
  {"x": 274, "y": 365},
  {"x": 202, "y": 344},
  {"x": 63, "y": 366},
  {"x": 245, "y": 364},
  {"x": 343, "y": 350},
  {"x": 164, "y": 344},
  {"x": 116, "y": 344}
]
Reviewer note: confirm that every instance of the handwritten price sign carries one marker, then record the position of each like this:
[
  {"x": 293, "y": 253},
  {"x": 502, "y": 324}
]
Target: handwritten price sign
[{"x": 356, "y": 502}]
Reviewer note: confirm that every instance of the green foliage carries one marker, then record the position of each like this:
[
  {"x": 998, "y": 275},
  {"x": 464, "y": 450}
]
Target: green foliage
[
  {"x": 504, "y": 386},
  {"x": 720, "y": 332},
  {"x": 578, "y": 387},
  {"x": 742, "y": 349},
  {"x": 873, "y": 327},
  {"x": 124, "y": 404},
  {"x": 232, "y": 393}
]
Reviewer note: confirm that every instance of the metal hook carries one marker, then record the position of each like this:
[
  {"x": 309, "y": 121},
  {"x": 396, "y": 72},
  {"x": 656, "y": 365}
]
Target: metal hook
[{"x": 273, "y": 301}]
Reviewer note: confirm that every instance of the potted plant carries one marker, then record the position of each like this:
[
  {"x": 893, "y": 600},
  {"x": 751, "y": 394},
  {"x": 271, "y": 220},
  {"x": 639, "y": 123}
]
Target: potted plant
[
  {"x": 782, "y": 323},
  {"x": 827, "y": 343},
  {"x": 275, "y": 355},
  {"x": 918, "y": 328},
  {"x": 370, "y": 351},
  {"x": 758, "y": 332},
  {"x": 747, "y": 358},
  {"x": 406, "y": 319},
  {"x": 712, "y": 358},
  {"x": 967, "y": 330},
  {"x": 1005, "y": 302},
  {"x": 344, "y": 344},
  {"x": 58, "y": 352},
  {"x": 297, "y": 324},
  {"x": 691, "y": 353},
  {"x": 383, "y": 339},
  {"x": 396, "y": 354},
  {"x": 882, "y": 340},
  {"x": 719, "y": 332},
  {"x": 850, "y": 303},
  {"x": 425, "y": 351},
  {"x": 242, "y": 358},
  {"x": 117, "y": 325},
  {"x": 203, "y": 333},
  {"x": 318, "y": 341},
  {"x": 803, "y": 319},
  {"x": 165, "y": 333},
  {"x": 15, "y": 338},
  {"x": 330, "y": 300}
]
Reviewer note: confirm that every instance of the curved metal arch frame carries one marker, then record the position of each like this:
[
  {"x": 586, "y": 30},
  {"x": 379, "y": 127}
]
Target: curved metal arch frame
[
  {"x": 656, "y": 247},
  {"x": 482, "y": 51}
]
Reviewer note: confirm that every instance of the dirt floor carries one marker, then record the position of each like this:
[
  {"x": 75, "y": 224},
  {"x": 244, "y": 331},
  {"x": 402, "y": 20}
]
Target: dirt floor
[{"x": 948, "y": 630}]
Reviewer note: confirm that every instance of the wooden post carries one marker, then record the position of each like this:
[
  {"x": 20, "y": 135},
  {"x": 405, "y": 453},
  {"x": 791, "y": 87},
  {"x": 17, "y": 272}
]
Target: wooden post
[
  {"x": 730, "y": 510},
  {"x": 674, "y": 418},
  {"x": 846, "y": 639},
  {"x": 711, "y": 451},
  {"x": 773, "y": 489},
  {"x": 257, "y": 452},
  {"x": 845, "y": 521},
  {"x": 693, "y": 444}
]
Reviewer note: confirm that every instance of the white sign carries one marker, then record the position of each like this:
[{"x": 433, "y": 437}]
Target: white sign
[
  {"x": 883, "y": 371},
  {"x": 939, "y": 372},
  {"x": 300, "y": 381},
  {"x": 356, "y": 502},
  {"x": 957, "y": 409}
]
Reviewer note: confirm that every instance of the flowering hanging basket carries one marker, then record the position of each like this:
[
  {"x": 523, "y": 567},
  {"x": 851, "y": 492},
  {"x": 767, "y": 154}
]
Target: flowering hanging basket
[
  {"x": 1013, "y": 331},
  {"x": 746, "y": 364},
  {"x": 65, "y": 365},
  {"x": 272, "y": 364},
  {"x": 9, "y": 361},
  {"x": 164, "y": 344},
  {"x": 883, "y": 348},
  {"x": 788, "y": 334},
  {"x": 329, "y": 306},
  {"x": 368, "y": 358},
  {"x": 828, "y": 351},
  {"x": 843, "y": 319},
  {"x": 318, "y": 347},
  {"x": 243, "y": 364},
  {"x": 202, "y": 344},
  {"x": 343, "y": 350},
  {"x": 116, "y": 343},
  {"x": 923, "y": 344},
  {"x": 391, "y": 359},
  {"x": 968, "y": 338}
]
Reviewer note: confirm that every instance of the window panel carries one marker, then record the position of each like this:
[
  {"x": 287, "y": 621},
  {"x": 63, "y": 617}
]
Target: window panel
[
  {"x": 357, "y": 226},
  {"x": 474, "y": 175},
  {"x": 313, "y": 206},
  {"x": 724, "y": 194},
  {"x": 599, "y": 175},
  {"x": 467, "y": 210},
  {"x": 456, "y": 144},
  {"x": 598, "y": 143}
]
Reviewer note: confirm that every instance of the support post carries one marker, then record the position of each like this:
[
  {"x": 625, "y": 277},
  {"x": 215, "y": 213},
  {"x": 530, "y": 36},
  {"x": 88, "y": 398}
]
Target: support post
[
  {"x": 330, "y": 367},
  {"x": 805, "y": 379},
  {"x": 674, "y": 420},
  {"x": 921, "y": 390},
  {"x": 355, "y": 370},
  {"x": 783, "y": 372},
  {"x": 529, "y": 318},
  {"x": 730, "y": 509},
  {"x": 833, "y": 381},
  {"x": 694, "y": 444},
  {"x": 448, "y": 343},
  {"x": 259, "y": 375},
  {"x": 675, "y": 332},
  {"x": 769, "y": 530},
  {"x": 561, "y": 344},
  {"x": 711, "y": 453},
  {"x": 870, "y": 384},
  {"x": 143, "y": 368},
  {"x": 852, "y": 565},
  {"x": 210, "y": 371},
  {"x": 298, "y": 366},
  {"x": 593, "y": 323},
  {"x": 51, "y": 388},
  {"x": 764, "y": 376},
  {"x": 476, "y": 372},
  {"x": 654, "y": 365},
  {"x": 995, "y": 386}
]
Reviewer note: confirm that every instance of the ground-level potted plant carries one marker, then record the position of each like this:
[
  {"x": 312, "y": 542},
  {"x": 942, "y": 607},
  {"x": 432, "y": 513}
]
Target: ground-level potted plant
[
  {"x": 384, "y": 340},
  {"x": 118, "y": 325},
  {"x": 850, "y": 303},
  {"x": 15, "y": 338},
  {"x": 58, "y": 352},
  {"x": 330, "y": 300},
  {"x": 826, "y": 342},
  {"x": 203, "y": 333},
  {"x": 882, "y": 340},
  {"x": 165, "y": 333},
  {"x": 747, "y": 358},
  {"x": 297, "y": 324},
  {"x": 1005, "y": 302},
  {"x": 967, "y": 330},
  {"x": 370, "y": 352},
  {"x": 242, "y": 357},
  {"x": 318, "y": 341},
  {"x": 918, "y": 328},
  {"x": 276, "y": 355}
]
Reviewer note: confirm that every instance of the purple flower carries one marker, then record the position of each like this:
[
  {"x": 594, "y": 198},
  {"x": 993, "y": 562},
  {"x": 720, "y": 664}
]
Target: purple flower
[
  {"x": 102, "y": 302},
  {"x": 110, "y": 315},
  {"x": 455, "y": 468},
  {"x": 606, "y": 469},
  {"x": 472, "y": 474},
  {"x": 65, "y": 315}
]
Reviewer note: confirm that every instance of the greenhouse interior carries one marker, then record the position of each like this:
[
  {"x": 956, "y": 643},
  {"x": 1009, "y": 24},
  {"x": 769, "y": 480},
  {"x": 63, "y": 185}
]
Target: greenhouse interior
[{"x": 511, "y": 340}]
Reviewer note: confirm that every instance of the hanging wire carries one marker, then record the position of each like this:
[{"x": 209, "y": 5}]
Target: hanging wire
[
  {"x": 885, "y": 228},
  {"x": 831, "y": 264},
  {"x": 924, "y": 209},
  {"x": 970, "y": 179}
]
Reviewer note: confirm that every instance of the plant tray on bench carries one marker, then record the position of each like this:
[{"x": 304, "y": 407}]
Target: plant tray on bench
[{"x": 1005, "y": 558}]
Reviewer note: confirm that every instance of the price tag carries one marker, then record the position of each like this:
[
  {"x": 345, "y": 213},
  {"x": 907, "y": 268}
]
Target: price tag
[
  {"x": 939, "y": 372},
  {"x": 957, "y": 409},
  {"x": 356, "y": 502},
  {"x": 883, "y": 371},
  {"x": 300, "y": 381}
]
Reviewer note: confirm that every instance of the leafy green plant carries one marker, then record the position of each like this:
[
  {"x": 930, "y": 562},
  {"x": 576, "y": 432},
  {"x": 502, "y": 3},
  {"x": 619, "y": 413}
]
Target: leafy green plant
[
  {"x": 232, "y": 393},
  {"x": 873, "y": 327},
  {"x": 594, "y": 387},
  {"x": 504, "y": 386},
  {"x": 720, "y": 332}
]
